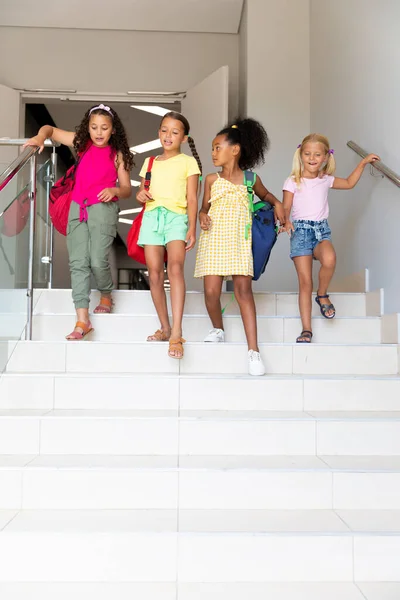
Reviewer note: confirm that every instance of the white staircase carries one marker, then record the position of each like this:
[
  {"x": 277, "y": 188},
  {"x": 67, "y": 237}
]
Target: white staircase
[{"x": 126, "y": 474}]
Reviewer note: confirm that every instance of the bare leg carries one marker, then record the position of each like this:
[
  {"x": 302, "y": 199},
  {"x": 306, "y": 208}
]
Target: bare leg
[
  {"x": 176, "y": 261},
  {"x": 155, "y": 265},
  {"x": 245, "y": 299},
  {"x": 325, "y": 253},
  {"x": 212, "y": 294},
  {"x": 303, "y": 266}
]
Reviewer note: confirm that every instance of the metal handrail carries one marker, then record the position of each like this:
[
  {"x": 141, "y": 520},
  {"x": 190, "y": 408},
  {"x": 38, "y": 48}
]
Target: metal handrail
[
  {"x": 378, "y": 165},
  {"x": 5, "y": 141},
  {"x": 15, "y": 167}
]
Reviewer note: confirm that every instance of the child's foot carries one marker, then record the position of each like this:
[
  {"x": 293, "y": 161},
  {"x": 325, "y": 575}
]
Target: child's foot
[
  {"x": 105, "y": 306},
  {"x": 175, "y": 349},
  {"x": 326, "y": 307},
  {"x": 215, "y": 335},
  {"x": 305, "y": 337},
  {"x": 160, "y": 335},
  {"x": 256, "y": 365},
  {"x": 80, "y": 331}
]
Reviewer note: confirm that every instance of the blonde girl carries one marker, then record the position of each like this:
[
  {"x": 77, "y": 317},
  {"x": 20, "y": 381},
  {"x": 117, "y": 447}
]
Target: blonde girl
[{"x": 305, "y": 200}]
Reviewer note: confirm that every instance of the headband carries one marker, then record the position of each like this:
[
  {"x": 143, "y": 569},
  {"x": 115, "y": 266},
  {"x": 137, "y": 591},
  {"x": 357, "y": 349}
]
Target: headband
[{"x": 101, "y": 107}]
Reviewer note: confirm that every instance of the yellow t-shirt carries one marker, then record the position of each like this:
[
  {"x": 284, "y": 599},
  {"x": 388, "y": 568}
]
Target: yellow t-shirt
[{"x": 168, "y": 184}]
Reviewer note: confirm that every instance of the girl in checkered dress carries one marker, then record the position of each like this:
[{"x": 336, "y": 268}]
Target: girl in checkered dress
[{"x": 224, "y": 248}]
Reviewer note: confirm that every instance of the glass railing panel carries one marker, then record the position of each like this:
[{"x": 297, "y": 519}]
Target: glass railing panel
[{"x": 14, "y": 254}]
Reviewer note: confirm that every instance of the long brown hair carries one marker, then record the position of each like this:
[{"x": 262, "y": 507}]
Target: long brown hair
[{"x": 118, "y": 140}]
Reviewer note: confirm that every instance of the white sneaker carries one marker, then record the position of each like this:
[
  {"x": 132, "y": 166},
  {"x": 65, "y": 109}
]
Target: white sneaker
[
  {"x": 256, "y": 365},
  {"x": 215, "y": 335}
]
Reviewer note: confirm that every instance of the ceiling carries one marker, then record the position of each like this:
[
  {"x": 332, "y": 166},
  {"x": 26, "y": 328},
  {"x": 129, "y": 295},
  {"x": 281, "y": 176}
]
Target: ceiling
[{"x": 197, "y": 16}]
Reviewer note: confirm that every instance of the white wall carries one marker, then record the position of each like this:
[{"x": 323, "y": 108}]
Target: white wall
[
  {"x": 114, "y": 61},
  {"x": 275, "y": 37},
  {"x": 355, "y": 58}
]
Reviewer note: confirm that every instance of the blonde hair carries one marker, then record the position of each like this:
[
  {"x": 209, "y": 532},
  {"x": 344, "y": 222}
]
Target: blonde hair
[{"x": 297, "y": 167}]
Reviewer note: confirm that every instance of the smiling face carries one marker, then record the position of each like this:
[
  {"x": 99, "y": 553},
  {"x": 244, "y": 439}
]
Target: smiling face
[
  {"x": 313, "y": 156},
  {"x": 172, "y": 134},
  {"x": 223, "y": 152},
  {"x": 100, "y": 129}
]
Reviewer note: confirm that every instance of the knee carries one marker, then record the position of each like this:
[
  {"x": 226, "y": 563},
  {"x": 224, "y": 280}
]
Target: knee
[
  {"x": 305, "y": 283},
  {"x": 329, "y": 262},
  {"x": 243, "y": 293},
  {"x": 211, "y": 295},
  {"x": 156, "y": 277},
  {"x": 175, "y": 270}
]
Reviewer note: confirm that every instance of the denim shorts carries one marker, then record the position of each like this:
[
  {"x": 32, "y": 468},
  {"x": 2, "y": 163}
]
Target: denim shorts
[
  {"x": 161, "y": 226},
  {"x": 307, "y": 235}
]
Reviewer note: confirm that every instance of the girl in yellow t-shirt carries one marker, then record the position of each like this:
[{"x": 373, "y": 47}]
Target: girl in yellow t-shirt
[{"x": 169, "y": 221}]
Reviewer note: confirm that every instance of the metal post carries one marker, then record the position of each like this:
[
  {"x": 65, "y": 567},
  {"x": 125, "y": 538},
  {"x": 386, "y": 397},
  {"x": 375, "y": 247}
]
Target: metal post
[
  {"x": 51, "y": 249},
  {"x": 32, "y": 220}
]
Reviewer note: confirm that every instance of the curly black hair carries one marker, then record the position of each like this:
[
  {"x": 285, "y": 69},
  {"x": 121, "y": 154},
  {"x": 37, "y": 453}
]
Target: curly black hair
[
  {"x": 252, "y": 138},
  {"x": 118, "y": 140},
  {"x": 179, "y": 117}
]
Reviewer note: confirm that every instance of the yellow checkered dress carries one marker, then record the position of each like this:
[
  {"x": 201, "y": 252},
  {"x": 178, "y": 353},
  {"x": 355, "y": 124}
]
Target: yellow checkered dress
[{"x": 223, "y": 249}]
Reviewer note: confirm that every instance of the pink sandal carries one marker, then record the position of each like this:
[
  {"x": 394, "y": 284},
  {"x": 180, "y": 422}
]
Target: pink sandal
[
  {"x": 79, "y": 335},
  {"x": 105, "y": 306}
]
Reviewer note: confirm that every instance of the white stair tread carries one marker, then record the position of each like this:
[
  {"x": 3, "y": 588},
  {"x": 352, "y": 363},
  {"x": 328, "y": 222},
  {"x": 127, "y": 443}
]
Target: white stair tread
[
  {"x": 5, "y": 517},
  {"x": 382, "y": 521},
  {"x": 381, "y": 591},
  {"x": 197, "y": 591},
  {"x": 263, "y": 522},
  {"x": 209, "y": 415},
  {"x": 104, "y": 590},
  {"x": 362, "y": 463},
  {"x": 341, "y": 464}
]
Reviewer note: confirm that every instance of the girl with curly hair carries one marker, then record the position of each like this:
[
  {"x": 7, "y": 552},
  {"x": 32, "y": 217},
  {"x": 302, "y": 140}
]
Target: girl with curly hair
[
  {"x": 224, "y": 248},
  {"x": 104, "y": 157}
]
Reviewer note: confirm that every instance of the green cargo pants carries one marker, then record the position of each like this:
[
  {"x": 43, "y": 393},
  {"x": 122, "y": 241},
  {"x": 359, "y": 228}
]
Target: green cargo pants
[{"x": 89, "y": 243}]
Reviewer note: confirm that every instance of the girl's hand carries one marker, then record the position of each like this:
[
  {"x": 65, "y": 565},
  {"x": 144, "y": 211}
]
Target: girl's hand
[
  {"x": 287, "y": 227},
  {"x": 106, "y": 195},
  {"x": 190, "y": 239},
  {"x": 280, "y": 213},
  {"x": 144, "y": 197},
  {"x": 38, "y": 140},
  {"x": 205, "y": 221},
  {"x": 370, "y": 159}
]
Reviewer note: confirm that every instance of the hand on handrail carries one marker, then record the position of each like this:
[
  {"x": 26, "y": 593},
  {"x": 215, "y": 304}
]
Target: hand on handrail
[{"x": 35, "y": 141}]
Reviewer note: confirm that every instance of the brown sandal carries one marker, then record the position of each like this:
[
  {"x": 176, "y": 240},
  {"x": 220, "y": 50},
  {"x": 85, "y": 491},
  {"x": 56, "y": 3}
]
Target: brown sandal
[
  {"x": 105, "y": 306},
  {"x": 176, "y": 346},
  {"x": 159, "y": 336},
  {"x": 79, "y": 335}
]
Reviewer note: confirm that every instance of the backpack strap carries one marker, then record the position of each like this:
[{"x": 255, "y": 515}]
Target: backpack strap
[
  {"x": 249, "y": 181},
  {"x": 147, "y": 179}
]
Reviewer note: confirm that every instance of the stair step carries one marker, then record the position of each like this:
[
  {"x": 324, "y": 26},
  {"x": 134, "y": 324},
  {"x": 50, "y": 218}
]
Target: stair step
[
  {"x": 130, "y": 328},
  {"x": 121, "y": 391},
  {"x": 136, "y": 357},
  {"x": 143, "y": 546},
  {"x": 140, "y": 303},
  {"x": 190, "y": 482},
  {"x": 105, "y": 432},
  {"x": 200, "y": 591}
]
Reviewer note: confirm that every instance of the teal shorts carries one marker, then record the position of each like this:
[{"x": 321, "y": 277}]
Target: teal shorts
[{"x": 161, "y": 226}]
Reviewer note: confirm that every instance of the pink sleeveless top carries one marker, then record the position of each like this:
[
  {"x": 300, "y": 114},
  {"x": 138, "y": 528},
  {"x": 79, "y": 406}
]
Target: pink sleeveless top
[{"x": 95, "y": 172}]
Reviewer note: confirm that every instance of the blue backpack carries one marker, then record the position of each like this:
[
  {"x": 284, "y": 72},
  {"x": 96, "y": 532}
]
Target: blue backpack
[{"x": 263, "y": 230}]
